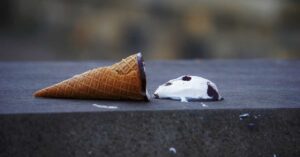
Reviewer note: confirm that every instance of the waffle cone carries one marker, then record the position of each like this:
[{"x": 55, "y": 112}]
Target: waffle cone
[{"x": 123, "y": 80}]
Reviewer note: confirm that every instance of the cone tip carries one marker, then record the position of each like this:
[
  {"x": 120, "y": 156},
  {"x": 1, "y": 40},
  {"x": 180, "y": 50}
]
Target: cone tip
[{"x": 38, "y": 93}]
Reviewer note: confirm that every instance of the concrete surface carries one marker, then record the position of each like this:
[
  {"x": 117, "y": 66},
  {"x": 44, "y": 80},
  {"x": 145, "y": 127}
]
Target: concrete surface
[{"x": 266, "y": 89}]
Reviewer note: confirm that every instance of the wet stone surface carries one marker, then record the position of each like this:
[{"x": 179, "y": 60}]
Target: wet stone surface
[{"x": 259, "y": 116}]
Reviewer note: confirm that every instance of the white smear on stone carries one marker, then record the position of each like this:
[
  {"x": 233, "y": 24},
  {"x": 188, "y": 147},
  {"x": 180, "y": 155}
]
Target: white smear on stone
[
  {"x": 244, "y": 115},
  {"x": 183, "y": 99},
  {"x": 172, "y": 150},
  {"x": 203, "y": 105},
  {"x": 274, "y": 155},
  {"x": 105, "y": 106}
]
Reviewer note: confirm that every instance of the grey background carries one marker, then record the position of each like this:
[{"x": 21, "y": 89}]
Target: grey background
[{"x": 161, "y": 29}]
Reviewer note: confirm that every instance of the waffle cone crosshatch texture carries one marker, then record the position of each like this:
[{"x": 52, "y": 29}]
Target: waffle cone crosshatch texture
[{"x": 123, "y": 80}]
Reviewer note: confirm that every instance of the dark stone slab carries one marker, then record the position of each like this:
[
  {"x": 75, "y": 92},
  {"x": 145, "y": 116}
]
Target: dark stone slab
[
  {"x": 210, "y": 133},
  {"x": 266, "y": 89}
]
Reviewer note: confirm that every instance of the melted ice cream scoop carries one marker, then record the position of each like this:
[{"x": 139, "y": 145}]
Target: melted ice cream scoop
[{"x": 188, "y": 88}]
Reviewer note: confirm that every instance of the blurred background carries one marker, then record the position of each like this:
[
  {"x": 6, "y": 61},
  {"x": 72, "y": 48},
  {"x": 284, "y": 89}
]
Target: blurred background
[{"x": 161, "y": 29}]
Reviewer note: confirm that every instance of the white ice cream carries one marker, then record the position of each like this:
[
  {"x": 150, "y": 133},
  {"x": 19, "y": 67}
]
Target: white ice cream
[{"x": 188, "y": 88}]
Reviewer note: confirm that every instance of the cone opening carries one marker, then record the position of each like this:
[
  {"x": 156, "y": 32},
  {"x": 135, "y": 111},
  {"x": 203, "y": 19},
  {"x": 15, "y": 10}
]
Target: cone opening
[{"x": 142, "y": 75}]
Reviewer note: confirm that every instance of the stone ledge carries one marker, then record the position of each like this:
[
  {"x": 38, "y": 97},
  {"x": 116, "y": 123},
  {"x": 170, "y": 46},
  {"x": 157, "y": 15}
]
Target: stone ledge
[
  {"x": 146, "y": 133},
  {"x": 266, "y": 89}
]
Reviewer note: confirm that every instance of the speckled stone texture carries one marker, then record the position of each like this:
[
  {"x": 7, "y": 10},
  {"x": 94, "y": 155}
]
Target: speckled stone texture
[{"x": 265, "y": 89}]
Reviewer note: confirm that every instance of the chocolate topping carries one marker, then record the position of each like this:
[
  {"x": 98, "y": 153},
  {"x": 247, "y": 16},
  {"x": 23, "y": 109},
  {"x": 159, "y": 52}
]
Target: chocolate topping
[
  {"x": 186, "y": 78},
  {"x": 212, "y": 92},
  {"x": 142, "y": 75},
  {"x": 168, "y": 84}
]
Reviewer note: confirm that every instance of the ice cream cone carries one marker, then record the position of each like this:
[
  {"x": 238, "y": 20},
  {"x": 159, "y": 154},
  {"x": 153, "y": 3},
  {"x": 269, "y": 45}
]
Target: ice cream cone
[{"x": 123, "y": 80}]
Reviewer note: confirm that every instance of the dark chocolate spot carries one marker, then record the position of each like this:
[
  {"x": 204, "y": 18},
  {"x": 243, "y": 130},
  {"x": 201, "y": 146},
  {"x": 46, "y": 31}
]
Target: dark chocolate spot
[
  {"x": 141, "y": 66},
  {"x": 212, "y": 92},
  {"x": 156, "y": 96},
  {"x": 168, "y": 84},
  {"x": 186, "y": 78}
]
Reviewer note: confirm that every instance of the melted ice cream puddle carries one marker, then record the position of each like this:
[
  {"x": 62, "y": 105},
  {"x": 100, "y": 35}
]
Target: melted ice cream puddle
[{"x": 188, "y": 88}]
